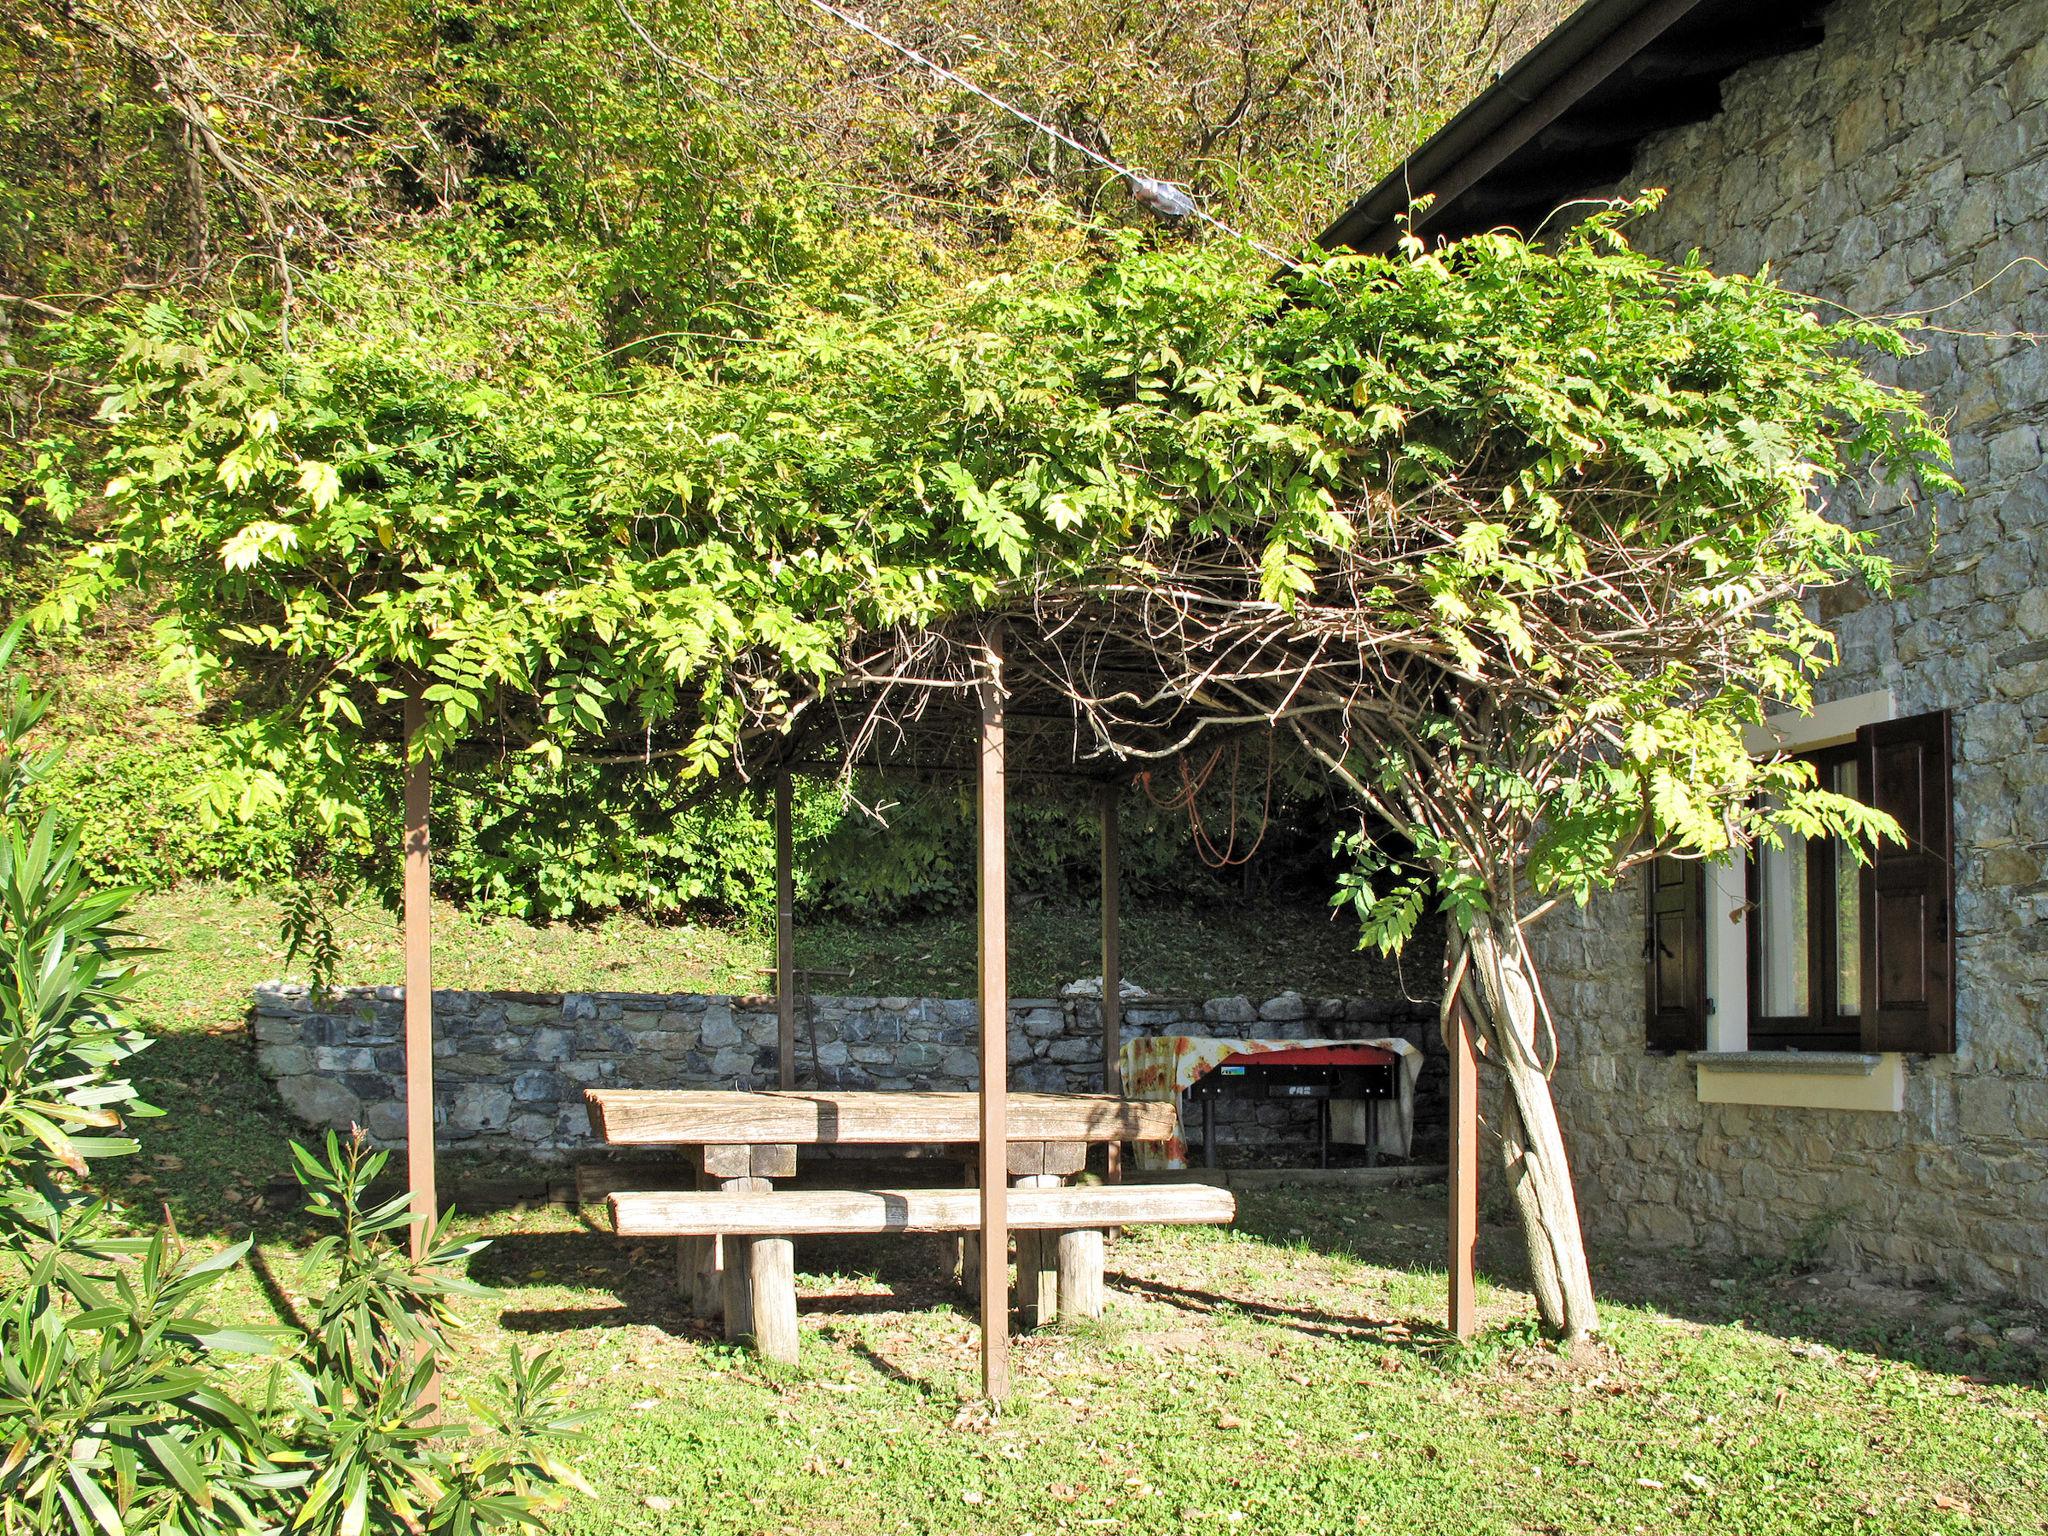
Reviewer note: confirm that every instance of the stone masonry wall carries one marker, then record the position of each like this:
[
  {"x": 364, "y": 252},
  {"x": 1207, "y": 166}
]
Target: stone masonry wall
[
  {"x": 510, "y": 1067},
  {"x": 1901, "y": 166}
]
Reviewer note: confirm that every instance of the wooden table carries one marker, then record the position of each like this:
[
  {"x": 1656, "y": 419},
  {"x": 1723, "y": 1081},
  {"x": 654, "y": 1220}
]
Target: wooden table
[
  {"x": 756, "y": 1135},
  {"x": 741, "y": 1142}
]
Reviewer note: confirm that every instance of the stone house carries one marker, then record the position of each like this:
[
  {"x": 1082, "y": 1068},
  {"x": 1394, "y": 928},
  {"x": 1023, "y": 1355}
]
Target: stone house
[{"x": 1796, "y": 1055}]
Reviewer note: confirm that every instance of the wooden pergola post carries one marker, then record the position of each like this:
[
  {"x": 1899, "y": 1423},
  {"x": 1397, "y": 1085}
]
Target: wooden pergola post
[
  {"x": 1462, "y": 1216},
  {"x": 785, "y": 938},
  {"x": 418, "y": 924},
  {"x": 993, "y": 993},
  {"x": 1112, "y": 971}
]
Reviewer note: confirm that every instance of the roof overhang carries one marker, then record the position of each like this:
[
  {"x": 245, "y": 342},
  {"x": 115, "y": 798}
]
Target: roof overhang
[{"x": 1565, "y": 120}]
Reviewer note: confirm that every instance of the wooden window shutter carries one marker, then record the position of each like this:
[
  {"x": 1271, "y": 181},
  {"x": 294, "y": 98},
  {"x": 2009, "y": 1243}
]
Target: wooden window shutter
[
  {"x": 1675, "y": 956},
  {"x": 1909, "y": 969}
]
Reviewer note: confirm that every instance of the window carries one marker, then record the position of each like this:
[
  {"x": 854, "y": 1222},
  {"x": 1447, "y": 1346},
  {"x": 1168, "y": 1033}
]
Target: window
[
  {"x": 1805, "y": 932},
  {"x": 1839, "y": 955}
]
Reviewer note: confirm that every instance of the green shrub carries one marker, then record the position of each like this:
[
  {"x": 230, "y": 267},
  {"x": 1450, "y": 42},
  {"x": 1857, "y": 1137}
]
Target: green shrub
[
  {"x": 554, "y": 845},
  {"x": 137, "y": 824},
  {"x": 536, "y": 844}
]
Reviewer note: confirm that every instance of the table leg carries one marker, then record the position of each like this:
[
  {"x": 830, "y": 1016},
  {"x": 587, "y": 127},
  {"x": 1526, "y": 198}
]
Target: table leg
[
  {"x": 1322, "y": 1133},
  {"x": 1372, "y": 1133},
  {"x": 1038, "y": 1272},
  {"x": 737, "y": 1270},
  {"x": 1208, "y": 1130}
]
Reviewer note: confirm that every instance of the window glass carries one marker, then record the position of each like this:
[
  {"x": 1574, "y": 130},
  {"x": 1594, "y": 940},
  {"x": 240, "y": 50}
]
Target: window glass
[
  {"x": 1848, "y": 909},
  {"x": 1781, "y": 929}
]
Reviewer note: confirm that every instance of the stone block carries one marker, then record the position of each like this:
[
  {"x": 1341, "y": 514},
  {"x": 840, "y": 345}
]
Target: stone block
[
  {"x": 1041, "y": 1023},
  {"x": 1286, "y": 1008},
  {"x": 1985, "y": 1109},
  {"x": 480, "y": 1107},
  {"x": 536, "y": 1087},
  {"x": 278, "y": 1029},
  {"x": 720, "y": 1028},
  {"x": 385, "y": 1121},
  {"x": 1229, "y": 1010},
  {"x": 320, "y": 1101},
  {"x": 344, "y": 1058},
  {"x": 284, "y": 1060}
]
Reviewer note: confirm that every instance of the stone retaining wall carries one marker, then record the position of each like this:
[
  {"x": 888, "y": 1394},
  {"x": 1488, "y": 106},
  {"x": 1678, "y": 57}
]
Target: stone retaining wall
[
  {"x": 510, "y": 1067},
  {"x": 1900, "y": 167}
]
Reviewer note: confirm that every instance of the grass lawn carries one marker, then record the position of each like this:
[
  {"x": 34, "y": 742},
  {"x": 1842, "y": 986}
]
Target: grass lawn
[{"x": 1283, "y": 1376}]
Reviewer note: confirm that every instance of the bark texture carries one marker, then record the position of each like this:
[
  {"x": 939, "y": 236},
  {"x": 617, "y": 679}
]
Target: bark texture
[{"x": 1500, "y": 992}]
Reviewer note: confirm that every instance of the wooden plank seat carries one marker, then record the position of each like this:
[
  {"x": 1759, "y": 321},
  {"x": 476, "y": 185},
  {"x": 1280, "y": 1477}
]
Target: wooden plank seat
[
  {"x": 851, "y": 1213},
  {"x": 743, "y": 1236}
]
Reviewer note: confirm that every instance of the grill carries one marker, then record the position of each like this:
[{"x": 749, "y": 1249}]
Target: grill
[{"x": 1313, "y": 1073}]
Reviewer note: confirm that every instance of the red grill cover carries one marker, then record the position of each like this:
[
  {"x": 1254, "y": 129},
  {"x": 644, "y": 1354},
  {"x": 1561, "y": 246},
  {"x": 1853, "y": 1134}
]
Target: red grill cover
[{"x": 1313, "y": 1056}]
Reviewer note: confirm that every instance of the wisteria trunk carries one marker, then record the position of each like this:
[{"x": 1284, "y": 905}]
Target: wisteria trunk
[{"x": 1500, "y": 993}]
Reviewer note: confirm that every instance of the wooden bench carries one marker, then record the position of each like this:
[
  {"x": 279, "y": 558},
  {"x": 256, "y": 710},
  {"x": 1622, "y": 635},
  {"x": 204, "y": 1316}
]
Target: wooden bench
[
  {"x": 744, "y": 1235},
  {"x": 741, "y": 1142}
]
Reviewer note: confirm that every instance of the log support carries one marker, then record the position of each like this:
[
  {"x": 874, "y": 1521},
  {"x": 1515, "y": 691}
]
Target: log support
[
  {"x": 735, "y": 1272},
  {"x": 993, "y": 993},
  {"x": 785, "y": 939},
  {"x": 1462, "y": 1217},
  {"x": 1037, "y": 1266},
  {"x": 418, "y": 918},
  {"x": 1112, "y": 973},
  {"x": 417, "y": 927}
]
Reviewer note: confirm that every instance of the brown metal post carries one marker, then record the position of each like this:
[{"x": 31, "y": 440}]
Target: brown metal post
[
  {"x": 418, "y": 920},
  {"x": 1112, "y": 972},
  {"x": 785, "y": 940},
  {"x": 993, "y": 992},
  {"x": 1462, "y": 1219}
]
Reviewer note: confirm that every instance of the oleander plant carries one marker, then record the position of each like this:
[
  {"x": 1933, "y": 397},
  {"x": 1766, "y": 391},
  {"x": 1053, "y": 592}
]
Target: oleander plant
[{"x": 119, "y": 1413}]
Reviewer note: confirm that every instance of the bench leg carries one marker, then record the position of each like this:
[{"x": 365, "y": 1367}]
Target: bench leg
[
  {"x": 967, "y": 1248},
  {"x": 737, "y": 1287},
  {"x": 1037, "y": 1266},
  {"x": 699, "y": 1276},
  {"x": 1080, "y": 1270},
  {"x": 771, "y": 1266}
]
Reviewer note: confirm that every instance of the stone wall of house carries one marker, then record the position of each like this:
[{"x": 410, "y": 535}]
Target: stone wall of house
[
  {"x": 1901, "y": 166},
  {"x": 510, "y": 1067}
]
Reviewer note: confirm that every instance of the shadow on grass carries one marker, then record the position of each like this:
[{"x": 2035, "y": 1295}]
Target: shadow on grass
[
  {"x": 1393, "y": 1333},
  {"x": 218, "y": 1164},
  {"x": 215, "y": 1157},
  {"x": 1897, "y": 1324}
]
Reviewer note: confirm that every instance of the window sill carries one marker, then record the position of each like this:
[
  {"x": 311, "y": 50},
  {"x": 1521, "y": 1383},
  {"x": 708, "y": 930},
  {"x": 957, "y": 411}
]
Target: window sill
[
  {"x": 1839, "y": 1080},
  {"x": 1835, "y": 1063}
]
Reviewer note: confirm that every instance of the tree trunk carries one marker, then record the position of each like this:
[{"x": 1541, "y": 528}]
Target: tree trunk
[{"x": 1500, "y": 999}]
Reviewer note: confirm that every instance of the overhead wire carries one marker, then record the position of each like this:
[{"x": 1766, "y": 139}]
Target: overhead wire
[{"x": 1163, "y": 197}]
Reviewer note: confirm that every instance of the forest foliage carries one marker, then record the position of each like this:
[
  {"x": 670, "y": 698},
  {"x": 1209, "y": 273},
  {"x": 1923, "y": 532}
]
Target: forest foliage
[{"x": 562, "y": 191}]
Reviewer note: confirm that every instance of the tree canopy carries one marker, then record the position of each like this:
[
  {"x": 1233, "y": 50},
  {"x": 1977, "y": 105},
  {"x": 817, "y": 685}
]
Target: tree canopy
[{"x": 1578, "y": 484}]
